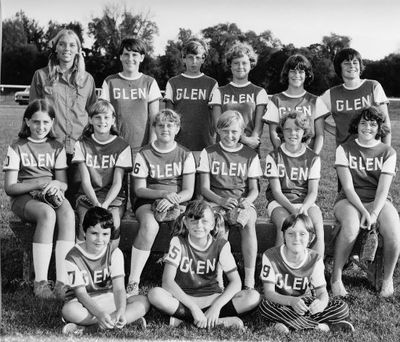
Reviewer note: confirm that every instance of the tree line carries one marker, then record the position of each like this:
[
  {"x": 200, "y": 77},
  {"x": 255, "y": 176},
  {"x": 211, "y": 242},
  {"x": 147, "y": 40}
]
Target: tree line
[{"x": 25, "y": 48}]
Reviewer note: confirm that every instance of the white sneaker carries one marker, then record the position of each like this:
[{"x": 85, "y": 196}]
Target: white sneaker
[
  {"x": 132, "y": 289},
  {"x": 338, "y": 289},
  {"x": 342, "y": 326},
  {"x": 174, "y": 322},
  {"x": 231, "y": 322},
  {"x": 323, "y": 327},
  {"x": 72, "y": 329},
  {"x": 282, "y": 328},
  {"x": 141, "y": 323}
]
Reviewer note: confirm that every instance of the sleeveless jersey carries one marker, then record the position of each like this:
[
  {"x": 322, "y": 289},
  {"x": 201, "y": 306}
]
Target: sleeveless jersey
[
  {"x": 292, "y": 281},
  {"x": 101, "y": 159},
  {"x": 307, "y": 103},
  {"x": 366, "y": 164},
  {"x": 190, "y": 97},
  {"x": 230, "y": 169},
  {"x": 95, "y": 272},
  {"x": 293, "y": 171},
  {"x": 345, "y": 103},
  {"x": 35, "y": 159},
  {"x": 243, "y": 98},
  {"x": 130, "y": 98},
  {"x": 197, "y": 268},
  {"x": 164, "y": 170}
]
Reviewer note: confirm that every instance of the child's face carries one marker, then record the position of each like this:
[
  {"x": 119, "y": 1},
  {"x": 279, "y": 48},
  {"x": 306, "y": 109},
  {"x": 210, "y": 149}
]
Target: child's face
[
  {"x": 102, "y": 122},
  {"x": 131, "y": 60},
  {"x": 296, "y": 78},
  {"x": 166, "y": 131},
  {"x": 230, "y": 135},
  {"x": 297, "y": 237},
  {"x": 200, "y": 228},
  {"x": 292, "y": 134},
  {"x": 367, "y": 130},
  {"x": 67, "y": 48},
  {"x": 350, "y": 69},
  {"x": 40, "y": 125},
  {"x": 240, "y": 68},
  {"x": 193, "y": 62},
  {"x": 97, "y": 238}
]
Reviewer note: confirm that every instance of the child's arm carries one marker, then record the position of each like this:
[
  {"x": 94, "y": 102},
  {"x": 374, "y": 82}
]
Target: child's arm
[
  {"x": 252, "y": 194},
  {"x": 279, "y": 196},
  {"x": 104, "y": 319},
  {"x": 120, "y": 301},
  {"x": 254, "y": 140},
  {"x": 169, "y": 284},
  {"x": 320, "y": 302},
  {"x": 273, "y": 135},
  {"x": 225, "y": 202},
  {"x": 233, "y": 287},
  {"x": 311, "y": 196},
  {"x": 319, "y": 126},
  {"x": 14, "y": 188},
  {"x": 215, "y": 113},
  {"x": 383, "y": 108},
  {"x": 381, "y": 195},
  {"x": 153, "y": 108},
  {"x": 86, "y": 184},
  {"x": 115, "y": 187}
]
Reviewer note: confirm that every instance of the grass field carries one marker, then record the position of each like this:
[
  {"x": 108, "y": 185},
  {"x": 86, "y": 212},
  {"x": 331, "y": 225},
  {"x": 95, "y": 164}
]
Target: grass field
[{"x": 25, "y": 318}]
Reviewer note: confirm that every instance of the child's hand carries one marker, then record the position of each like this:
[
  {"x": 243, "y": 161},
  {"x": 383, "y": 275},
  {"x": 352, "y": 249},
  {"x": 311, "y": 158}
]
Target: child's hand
[
  {"x": 212, "y": 315},
  {"x": 244, "y": 203},
  {"x": 51, "y": 187},
  {"x": 105, "y": 321},
  {"x": 199, "y": 318},
  {"x": 316, "y": 306},
  {"x": 303, "y": 210},
  {"x": 228, "y": 203},
  {"x": 164, "y": 205},
  {"x": 173, "y": 197},
  {"x": 298, "y": 305},
  {"x": 252, "y": 142},
  {"x": 120, "y": 320},
  {"x": 104, "y": 205},
  {"x": 365, "y": 222}
]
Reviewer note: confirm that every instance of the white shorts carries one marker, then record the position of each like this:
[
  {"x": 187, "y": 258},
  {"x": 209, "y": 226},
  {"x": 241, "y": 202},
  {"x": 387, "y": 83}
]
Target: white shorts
[{"x": 274, "y": 204}]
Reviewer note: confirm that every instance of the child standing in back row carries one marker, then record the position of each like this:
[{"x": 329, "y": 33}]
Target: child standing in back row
[
  {"x": 103, "y": 158},
  {"x": 229, "y": 173},
  {"x": 35, "y": 172},
  {"x": 192, "y": 293},
  {"x": 296, "y": 73},
  {"x": 242, "y": 95},
  {"x": 189, "y": 94}
]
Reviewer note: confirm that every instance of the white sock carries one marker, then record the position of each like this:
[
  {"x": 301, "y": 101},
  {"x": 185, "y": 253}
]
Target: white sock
[
  {"x": 62, "y": 249},
  {"x": 249, "y": 276},
  {"x": 138, "y": 261},
  {"x": 41, "y": 254}
]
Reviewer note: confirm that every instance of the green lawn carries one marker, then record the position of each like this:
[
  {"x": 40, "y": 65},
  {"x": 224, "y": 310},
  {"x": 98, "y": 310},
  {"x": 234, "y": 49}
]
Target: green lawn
[{"x": 25, "y": 318}]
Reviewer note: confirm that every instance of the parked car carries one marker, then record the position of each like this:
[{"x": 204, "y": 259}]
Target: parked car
[{"x": 22, "y": 97}]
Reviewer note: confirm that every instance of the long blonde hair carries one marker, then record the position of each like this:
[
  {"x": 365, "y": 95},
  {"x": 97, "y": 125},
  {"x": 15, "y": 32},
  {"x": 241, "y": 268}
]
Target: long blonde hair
[{"x": 78, "y": 73}]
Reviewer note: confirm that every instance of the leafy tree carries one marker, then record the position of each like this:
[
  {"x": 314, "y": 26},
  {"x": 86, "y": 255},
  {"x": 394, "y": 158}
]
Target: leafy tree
[
  {"x": 54, "y": 27},
  {"x": 335, "y": 43}
]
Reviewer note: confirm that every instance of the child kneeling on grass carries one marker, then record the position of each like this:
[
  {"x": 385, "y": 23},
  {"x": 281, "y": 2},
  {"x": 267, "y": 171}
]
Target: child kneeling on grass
[
  {"x": 190, "y": 289},
  {"x": 294, "y": 283},
  {"x": 97, "y": 297}
]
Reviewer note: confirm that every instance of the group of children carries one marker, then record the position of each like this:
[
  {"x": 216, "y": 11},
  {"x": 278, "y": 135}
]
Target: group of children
[{"x": 225, "y": 124}]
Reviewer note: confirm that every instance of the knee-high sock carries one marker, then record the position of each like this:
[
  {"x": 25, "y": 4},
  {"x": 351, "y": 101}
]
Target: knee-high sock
[
  {"x": 249, "y": 276},
  {"x": 138, "y": 261},
  {"x": 62, "y": 249},
  {"x": 41, "y": 254}
]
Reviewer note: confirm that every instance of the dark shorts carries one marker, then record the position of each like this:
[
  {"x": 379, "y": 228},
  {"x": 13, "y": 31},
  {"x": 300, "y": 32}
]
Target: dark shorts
[
  {"x": 18, "y": 204},
  {"x": 141, "y": 201}
]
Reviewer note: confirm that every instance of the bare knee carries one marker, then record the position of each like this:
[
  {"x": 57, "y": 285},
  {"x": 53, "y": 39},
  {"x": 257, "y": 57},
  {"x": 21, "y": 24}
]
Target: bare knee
[{"x": 155, "y": 295}]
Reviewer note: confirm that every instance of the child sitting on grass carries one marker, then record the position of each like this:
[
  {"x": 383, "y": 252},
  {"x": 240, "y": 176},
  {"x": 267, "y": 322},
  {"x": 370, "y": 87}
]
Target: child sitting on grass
[
  {"x": 97, "y": 297},
  {"x": 190, "y": 289},
  {"x": 294, "y": 284}
]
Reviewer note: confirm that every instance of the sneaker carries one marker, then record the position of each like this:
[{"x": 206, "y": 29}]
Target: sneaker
[
  {"x": 231, "y": 322},
  {"x": 323, "y": 327},
  {"x": 387, "y": 289},
  {"x": 60, "y": 289},
  {"x": 132, "y": 289},
  {"x": 42, "y": 289},
  {"x": 141, "y": 323},
  {"x": 72, "y": 329},
  {"x": 338, "y": 289},
  {"x": 282, "y": 328},
  {"x": 174, "y": 322},
  {"x": 344, "y": 326}
]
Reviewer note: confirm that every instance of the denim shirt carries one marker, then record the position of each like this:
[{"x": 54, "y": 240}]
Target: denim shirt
[{"x": 70, "y": 103}]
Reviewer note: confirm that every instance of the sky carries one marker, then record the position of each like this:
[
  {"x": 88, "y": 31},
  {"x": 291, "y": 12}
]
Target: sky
[{"x": 373, "y": 25}]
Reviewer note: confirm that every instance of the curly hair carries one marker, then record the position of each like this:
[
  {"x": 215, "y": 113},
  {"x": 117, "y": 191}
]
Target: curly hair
[
  {"x": 239, "y": 50},
  {"x": 167, "y": 115},
  {"x": 297, "y": 62},
  {"x": 370, "y": 114},
  {"x": 302, "y": 120},
  {"x": 346, "y": 54}
]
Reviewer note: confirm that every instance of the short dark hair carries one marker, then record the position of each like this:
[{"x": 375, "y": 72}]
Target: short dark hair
[
  {"x": 193, "y": 45},
  {"x": 370, "y": 114},
  {"x": 38, "y": 105},
  {"x": 302, "y": 120},
  {"x": 132, "y": 44},
  {"x": 294, "y": 62},
  {"x": 292, "y": 220},
  {"x": 346, "y": 54},
  {"x": 98, "y": 215}
]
